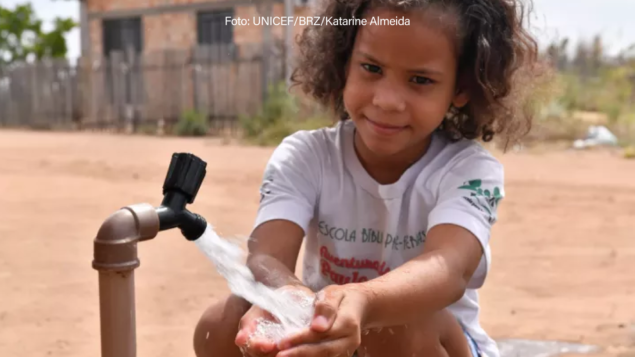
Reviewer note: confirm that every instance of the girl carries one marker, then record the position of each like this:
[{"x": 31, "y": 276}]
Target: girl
[{"x": 398, "y": 200}]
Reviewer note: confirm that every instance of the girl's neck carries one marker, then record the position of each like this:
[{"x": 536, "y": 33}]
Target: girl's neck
[{"x": 389, "y": 169}]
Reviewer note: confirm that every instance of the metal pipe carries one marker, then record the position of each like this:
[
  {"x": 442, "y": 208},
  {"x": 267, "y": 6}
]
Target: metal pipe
[
  {"x": 115, "y": 249},
  {"x": 117, "y": 310},
  {"x": 115, "y": 257}
]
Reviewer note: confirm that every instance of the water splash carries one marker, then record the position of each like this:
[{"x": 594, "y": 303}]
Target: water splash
[{"x": 292, "y": 310}]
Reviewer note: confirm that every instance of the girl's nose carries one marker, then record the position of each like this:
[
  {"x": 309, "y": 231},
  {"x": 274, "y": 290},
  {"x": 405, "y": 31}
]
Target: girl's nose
[{"x": 389, "y": 98}]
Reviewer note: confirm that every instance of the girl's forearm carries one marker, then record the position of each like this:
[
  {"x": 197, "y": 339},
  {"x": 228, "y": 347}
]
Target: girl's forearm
[
  {"x": 418, "y": 288},
  {"x": 270, "y": 271}
]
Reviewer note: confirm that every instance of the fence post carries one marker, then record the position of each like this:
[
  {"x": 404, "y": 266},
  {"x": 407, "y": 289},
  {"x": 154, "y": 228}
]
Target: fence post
[
  {"x": 4, "y": 101},
  {"x": 289, "y": 7},
  {"x": 131, "y": 98},
  {"x": 34, "y": 94},
  {"x": 266, "y": 48}
]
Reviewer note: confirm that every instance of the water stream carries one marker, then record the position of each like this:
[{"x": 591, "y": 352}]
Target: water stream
[{"x": 293, "y": 312}]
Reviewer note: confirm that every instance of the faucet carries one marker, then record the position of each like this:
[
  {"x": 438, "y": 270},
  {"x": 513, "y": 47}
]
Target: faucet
[
  {"x": 115, "y": 249},
  {"x": 184, "y": 178}
]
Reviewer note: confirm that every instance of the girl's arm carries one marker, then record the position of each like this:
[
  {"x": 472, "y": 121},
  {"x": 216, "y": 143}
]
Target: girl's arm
[
  {"x": 426, "y": 284},
  {"x": 289, "y": 192},
  {"x": 461, "y": 221},
  {"x": 273, "y": 252},
  {"x": 421, "y": 287}
]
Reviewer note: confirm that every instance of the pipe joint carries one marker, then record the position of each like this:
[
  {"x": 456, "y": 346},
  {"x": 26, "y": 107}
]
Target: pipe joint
[{"x": 115, "y": 247}]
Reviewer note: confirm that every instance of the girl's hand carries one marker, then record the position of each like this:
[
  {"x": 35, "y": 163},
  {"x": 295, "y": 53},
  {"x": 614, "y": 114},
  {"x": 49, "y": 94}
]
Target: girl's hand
[
  {"x": 254, "y": 346},
  {"x": 259, "y": 346},
  {"x": 336, "y": 326}
]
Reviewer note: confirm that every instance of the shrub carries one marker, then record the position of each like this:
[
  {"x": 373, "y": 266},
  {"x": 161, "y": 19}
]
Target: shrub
[
  {"x": 281, "y": 115},
  {"x": 609, "y": 93},
  {"x": 192, "y": 123}
]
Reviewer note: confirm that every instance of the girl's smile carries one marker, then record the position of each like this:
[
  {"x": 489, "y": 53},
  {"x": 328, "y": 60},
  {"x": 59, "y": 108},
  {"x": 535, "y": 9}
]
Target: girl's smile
[{"x": 383, "y": 129}]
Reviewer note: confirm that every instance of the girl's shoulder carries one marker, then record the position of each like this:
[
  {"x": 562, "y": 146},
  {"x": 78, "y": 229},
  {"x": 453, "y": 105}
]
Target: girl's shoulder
[
  {"x": 462, "y": 168},
  {"x": 304, "y": 154},
  {"x": 463, "y": 154},
  {"x": 315, "y": 144}
]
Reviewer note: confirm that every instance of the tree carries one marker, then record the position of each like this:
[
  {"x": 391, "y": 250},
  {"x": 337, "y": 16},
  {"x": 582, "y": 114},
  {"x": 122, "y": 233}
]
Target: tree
[
  {"x": 581, "y": 60},
  {"x": 596, "y": 55},
  {"x": 22, "y": 37},
  {"x": 53, "y": 43},
  {"x": 557, "y": 54}
]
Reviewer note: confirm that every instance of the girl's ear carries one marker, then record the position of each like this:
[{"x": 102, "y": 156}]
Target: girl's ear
[
  {"x": 461, "y": 95},
  {"x": 461, "y": 98}
]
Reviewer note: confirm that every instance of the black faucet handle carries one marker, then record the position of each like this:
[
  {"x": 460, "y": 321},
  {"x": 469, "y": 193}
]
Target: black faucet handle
[{"x": 185, "y": 174}]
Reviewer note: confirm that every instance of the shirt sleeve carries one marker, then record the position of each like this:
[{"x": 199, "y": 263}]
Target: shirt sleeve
[
  {"x": 469, "y": 195},
  {"x": 289, "y": 188}
]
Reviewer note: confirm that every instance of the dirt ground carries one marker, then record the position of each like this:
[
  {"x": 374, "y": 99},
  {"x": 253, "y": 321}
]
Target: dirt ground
[{"x": 564, "y": 250}]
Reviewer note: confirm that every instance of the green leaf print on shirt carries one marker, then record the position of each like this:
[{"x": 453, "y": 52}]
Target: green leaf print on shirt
[{"x": 492, "y": 198}]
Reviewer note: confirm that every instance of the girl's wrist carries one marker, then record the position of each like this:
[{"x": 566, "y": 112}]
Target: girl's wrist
[
  {"x": 362, "y": 298},
  {"x": 294, "y": 286}
]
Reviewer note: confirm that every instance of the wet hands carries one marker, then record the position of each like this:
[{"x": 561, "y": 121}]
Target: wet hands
[
  {"x": 335, "y": 329},
  {"x": 252, "y": 344}
]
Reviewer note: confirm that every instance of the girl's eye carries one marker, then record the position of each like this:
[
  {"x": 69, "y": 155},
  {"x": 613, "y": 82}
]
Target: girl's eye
[
  {"x": 371, "y": 68},
  {"x": 422, "y": 80}
]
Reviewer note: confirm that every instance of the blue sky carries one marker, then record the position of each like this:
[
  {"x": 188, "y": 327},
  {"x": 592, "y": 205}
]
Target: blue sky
[{"x": 552, "y": 19}]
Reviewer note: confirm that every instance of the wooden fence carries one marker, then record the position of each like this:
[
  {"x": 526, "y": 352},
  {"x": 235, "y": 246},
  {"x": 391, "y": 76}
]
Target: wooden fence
[{"x": 137, "y": 92}]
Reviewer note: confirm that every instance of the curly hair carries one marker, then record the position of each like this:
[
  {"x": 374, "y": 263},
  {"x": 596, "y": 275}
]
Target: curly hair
[{"x": 495, "y": 54}]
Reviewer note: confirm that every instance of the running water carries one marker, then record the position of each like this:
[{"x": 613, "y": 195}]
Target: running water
[{"x": 292, "y": 311}]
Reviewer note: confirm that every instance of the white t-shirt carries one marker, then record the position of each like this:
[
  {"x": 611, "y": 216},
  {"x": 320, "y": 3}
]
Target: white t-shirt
[{"x": 357, "y": 229}]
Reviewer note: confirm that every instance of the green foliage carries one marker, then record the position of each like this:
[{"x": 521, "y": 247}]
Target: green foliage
[
  {"x": 281, "y": 115},
  {"x": 278, "y": 107},
  {"x": 192, "y": 123},
  {"x": 591, "y": 81},
  {"x": 610, "y": 92},
  {"x": 53, "y": 44},
  {"x": 21, "y": 35}
]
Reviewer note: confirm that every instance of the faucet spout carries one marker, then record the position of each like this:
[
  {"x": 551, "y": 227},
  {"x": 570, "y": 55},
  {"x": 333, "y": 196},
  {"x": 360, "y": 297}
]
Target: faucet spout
[
  {"x": 183, "y": 180},
  {"x": 192, "y": 225}
]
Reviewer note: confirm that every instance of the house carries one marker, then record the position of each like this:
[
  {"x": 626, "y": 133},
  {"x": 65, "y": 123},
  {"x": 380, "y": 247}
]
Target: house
[
  {"x": 156, "y": 25},
  {"x": 186, "y": 55}
]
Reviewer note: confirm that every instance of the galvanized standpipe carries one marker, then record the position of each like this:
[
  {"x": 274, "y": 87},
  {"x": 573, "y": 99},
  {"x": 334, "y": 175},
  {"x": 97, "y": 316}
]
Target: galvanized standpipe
[
  {"x": 115, "y": 250},
  {"x": 115, "y": 257}
]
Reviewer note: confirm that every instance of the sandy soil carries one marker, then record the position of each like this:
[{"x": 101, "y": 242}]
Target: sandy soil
[{"x": 564, "y": 250}]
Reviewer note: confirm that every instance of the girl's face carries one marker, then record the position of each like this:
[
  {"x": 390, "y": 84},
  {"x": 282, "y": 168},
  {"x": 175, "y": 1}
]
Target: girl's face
[{"x": 401, "y": 81}]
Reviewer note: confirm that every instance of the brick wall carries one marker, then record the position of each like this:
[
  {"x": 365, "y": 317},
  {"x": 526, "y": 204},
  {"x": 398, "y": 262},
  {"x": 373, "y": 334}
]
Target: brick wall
[
  {"x": 177, "y": 30},
  {"x": 169, "y": 31},
  {"x": 95, "y": 37},
  {"x": 112, "y": 5}
]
